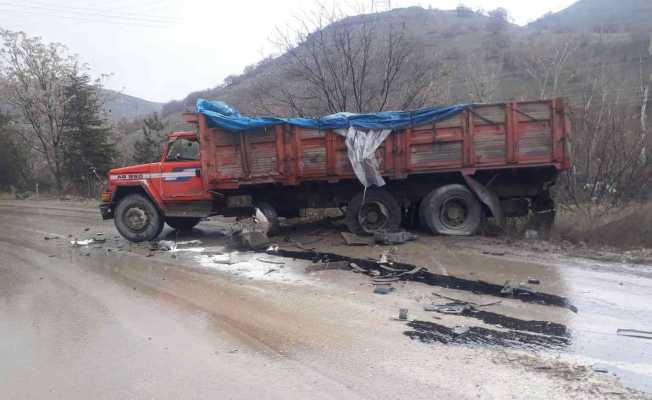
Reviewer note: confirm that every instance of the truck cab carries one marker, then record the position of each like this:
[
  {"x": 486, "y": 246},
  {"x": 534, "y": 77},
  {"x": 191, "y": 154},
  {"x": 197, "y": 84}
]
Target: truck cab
[{"x": 143, "y": 197}]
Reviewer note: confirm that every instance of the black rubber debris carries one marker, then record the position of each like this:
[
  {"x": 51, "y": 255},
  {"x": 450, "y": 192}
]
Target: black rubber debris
[
  {"x": 429, "y": 332},
  {"x": 408, "y": 272}
]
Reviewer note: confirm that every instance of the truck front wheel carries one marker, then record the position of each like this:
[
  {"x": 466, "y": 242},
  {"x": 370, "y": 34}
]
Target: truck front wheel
[
  {"x": 375, "y": 211},
  {"x": 137, "y": 219},
  {"x": 181, "y": 223},
  {"x": 451, "y": 210}
]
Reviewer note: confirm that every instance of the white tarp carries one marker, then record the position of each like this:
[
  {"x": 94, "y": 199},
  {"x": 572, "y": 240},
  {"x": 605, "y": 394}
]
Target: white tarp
[{"x": 361, "y": 149}]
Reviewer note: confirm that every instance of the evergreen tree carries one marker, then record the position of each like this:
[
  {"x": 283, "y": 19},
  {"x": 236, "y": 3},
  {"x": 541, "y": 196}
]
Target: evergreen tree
[
  {"x": 14, "y": 169},
  {"x": 87, "y": 145},
  {"x": 147, "y": 149}
]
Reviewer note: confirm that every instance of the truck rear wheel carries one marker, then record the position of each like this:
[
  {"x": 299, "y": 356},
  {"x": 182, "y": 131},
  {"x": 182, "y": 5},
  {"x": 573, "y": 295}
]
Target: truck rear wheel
[
  {"x": 182, "y": 223},
  {"x": 137, "y": 219},
  {"x": 451, "y": 210},
  {"x": 379, "y": 212}
]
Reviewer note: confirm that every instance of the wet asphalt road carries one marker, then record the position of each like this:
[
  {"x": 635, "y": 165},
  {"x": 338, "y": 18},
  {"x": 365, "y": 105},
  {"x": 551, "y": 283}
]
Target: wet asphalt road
[{"x": 127, "y": 326}]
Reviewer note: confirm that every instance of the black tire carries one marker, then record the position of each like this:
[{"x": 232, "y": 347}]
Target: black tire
[
  {"x": 380, "y": 212},
  {"x": 137, "y": 219},
  {"x": 272, "y": 217},
  {"x": 451, "y": 210},
  {"x": 182, "y": 223}
]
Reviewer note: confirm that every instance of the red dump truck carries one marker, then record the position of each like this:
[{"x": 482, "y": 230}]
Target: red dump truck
[{"x": 447, "y": 174}]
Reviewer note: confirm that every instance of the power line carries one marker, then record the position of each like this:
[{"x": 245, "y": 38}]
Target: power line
[
  {"x": 83, "y": 19},
  {"x": 85, "y": 12}
]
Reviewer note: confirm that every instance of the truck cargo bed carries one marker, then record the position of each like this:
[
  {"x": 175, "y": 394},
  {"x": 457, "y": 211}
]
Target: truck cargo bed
[{"x": 484, "y": 136}]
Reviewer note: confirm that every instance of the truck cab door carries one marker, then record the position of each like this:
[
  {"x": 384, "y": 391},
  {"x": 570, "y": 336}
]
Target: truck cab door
[{"x": 181, "y": 171}]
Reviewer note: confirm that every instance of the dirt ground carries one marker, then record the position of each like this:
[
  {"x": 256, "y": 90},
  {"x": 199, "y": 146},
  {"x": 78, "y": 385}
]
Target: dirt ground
[{"x": 111, "y": 319}]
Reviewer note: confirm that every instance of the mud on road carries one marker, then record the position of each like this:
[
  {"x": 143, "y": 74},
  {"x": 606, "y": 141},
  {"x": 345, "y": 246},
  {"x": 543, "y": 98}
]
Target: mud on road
[{"x": 110, "y": 319}]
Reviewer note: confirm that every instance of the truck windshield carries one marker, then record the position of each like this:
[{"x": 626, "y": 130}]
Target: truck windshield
[{"x": 183, "y": 150}]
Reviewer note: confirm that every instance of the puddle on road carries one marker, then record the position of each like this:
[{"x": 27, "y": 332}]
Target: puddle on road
[
  {"x": 430, "y": 332},
  {"x": 430, "y": 278}
]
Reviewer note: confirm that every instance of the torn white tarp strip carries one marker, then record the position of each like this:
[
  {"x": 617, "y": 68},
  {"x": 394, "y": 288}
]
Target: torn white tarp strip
[{"x": 361, "y": 149}]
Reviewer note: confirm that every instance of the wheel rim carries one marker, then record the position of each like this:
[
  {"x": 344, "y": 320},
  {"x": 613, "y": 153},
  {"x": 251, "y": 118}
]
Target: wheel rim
[
  {"x": 453, "y": 213},
  {"x": 136, "y": 219},
  {"x": 373, "y": 216}
]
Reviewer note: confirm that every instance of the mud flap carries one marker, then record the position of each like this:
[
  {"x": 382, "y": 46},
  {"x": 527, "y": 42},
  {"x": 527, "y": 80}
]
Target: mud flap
[
  {"x": 106, "y": 209},
  {"x": 487, "y": 197}
]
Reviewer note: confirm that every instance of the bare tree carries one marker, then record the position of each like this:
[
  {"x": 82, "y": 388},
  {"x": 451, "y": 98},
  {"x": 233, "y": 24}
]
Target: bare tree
[
  {"x": 36, "y": 76},
  {"x": 548, "y": 64},
  {"x": 607, "y": 141},
  {"x": 646, "y": 83},
  {"x": 482, "y": 78},
  {"x": 358, "y": 64}
]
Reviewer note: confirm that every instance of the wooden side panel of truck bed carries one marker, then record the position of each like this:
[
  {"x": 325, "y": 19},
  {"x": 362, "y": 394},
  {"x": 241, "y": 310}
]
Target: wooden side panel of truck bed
[{"x": 486, "y": 136}]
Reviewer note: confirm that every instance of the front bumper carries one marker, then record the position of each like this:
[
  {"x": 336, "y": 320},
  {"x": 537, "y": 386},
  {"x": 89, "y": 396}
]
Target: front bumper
[{"x": 106, "y": 209}]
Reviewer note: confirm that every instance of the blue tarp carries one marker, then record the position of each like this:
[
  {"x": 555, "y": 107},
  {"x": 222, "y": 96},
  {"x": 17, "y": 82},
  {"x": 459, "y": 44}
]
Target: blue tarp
[{"x": 221, "y": 115}]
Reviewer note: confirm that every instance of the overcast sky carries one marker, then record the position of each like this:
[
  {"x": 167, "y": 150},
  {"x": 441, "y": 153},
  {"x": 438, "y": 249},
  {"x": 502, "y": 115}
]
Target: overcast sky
[{"x": 161, "y": 50}]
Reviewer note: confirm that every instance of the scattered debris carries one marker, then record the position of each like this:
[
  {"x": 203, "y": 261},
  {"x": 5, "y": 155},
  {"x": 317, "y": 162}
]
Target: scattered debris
[
  {"x": 99, "y": 238},
  {"x": 389, "y": 238},
  {"x": 501, "y": 321},
  {"x": 494, "y": 253},
  {"x": 531, "y": 234},
  {"x": 493, "y": 303},
  {"x": 341, "y": 265},
  {"x": 211, "y": 253},
  {"x": 228, "y": 261},
  {"x": 430, "y": 332},
  {"x": 460, "y": 330},
  {"x": 403, "y": 314},
  {"x": 373, "y": 268},
  {"x": 390, "y": 269},
  {"x": 356, "y": 268},
  {"x": 253, "y": 240},
  {"x": 385, "y": 258},
  {"x": 87, "y": 229},
  {"x": 533, "y": 281},
  {"x": 413, "y": 271},
  {"x": 635, "y": 333},
  {"x": 355, "y": 240},
  {"x": 599, "y": 368},
  {"x": 79, "y": 243},
  {"x": 189, "y": 242},
  {"x": 382, "y": 279},
  {"x": 166, "y": 245},
  {"x": 511, "y": 290},
  {"x": 263, "y": 260},
  {"x": 449, "y": 308},
  {"x": 383, "y": 289}
]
